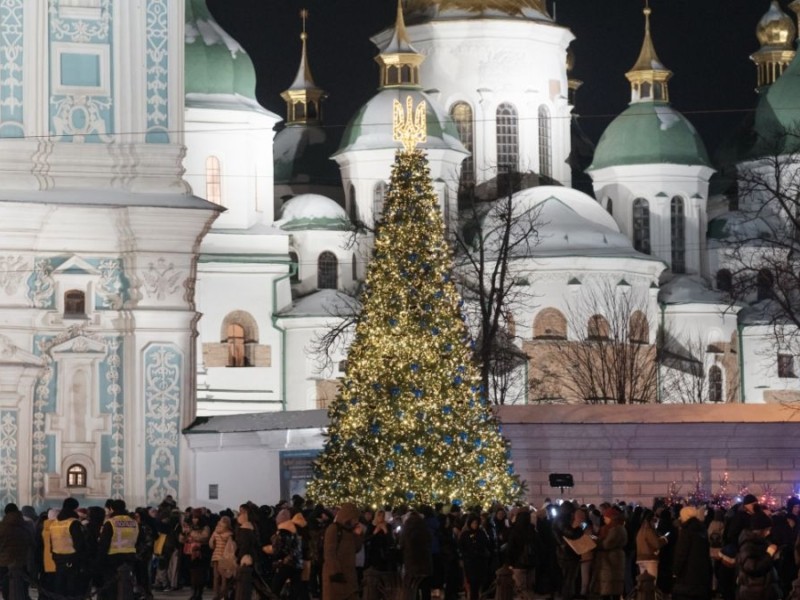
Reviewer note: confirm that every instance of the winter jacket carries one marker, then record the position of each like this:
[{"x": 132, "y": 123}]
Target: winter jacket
[
  {"x": 756, "y": 578},
  {"x": 339, "y": 579},
  {"x": 690, "y": 564},
  {"x": 16, "y": 541},
  {"x": 609, "y": 561},
  {"x": 648, "y": 543}
]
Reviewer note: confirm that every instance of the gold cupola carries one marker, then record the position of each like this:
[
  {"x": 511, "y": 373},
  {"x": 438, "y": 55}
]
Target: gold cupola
[
  {"x": 794, "y": 6},
  {"x": 648, "y": 76},
  {"x": 304, "y": 98},
  {"x": 399, "y": 60},
  {"x": 776, "y": 34}
]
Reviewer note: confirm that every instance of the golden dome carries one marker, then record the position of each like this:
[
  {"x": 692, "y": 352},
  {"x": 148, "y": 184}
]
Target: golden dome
[
  {"x": 776, "y": 28},
  {"x": 514, "y": 8}
]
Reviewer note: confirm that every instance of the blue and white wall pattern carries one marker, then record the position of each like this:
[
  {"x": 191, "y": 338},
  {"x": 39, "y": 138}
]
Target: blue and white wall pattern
[
  {"x": 157, "y": 72},
  {"x": 11, "y": 55},
  {"x": 81, "y": 100},
  {"x": 163, "y": 391},
  {"x": 111, "y": 402},
  {"x": 9, "y": 463}
]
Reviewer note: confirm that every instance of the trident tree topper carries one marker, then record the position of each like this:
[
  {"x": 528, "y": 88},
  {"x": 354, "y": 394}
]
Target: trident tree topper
[{"x": 409, "y": 126}]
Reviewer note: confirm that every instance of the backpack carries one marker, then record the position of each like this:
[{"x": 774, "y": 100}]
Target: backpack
[{"x": 227, "y": 564}]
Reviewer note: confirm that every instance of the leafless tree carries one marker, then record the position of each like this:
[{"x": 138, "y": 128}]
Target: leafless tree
[
  {"x": 610, "y": 357},
  {"x": 761, "y": 245},
  {"x": 685, "y": 378},
  {"x": 493, "y": 238}
]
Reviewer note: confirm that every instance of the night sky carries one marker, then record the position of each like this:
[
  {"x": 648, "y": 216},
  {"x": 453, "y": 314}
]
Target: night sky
[{"x": 706, "y": 43}]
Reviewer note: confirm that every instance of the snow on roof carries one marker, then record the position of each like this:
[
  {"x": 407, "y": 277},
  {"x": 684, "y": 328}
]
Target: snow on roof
[
  {"x": 312, "y": 211},
  {"x": 211, "y": 33},
  {"x": 689, "y": 289},
  {"x": 268, "y": 421},
  {"x": 96, "y": 197},
  {"x": 568, "y": 222},
  {"x": 323, "y": 303},
  {"x": 226, "y": 102},
  {"x": 668, "y": 116}
]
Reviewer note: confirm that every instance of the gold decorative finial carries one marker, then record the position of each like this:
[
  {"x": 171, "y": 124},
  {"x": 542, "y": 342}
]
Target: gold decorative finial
[
  {"x": 304, "y": 16},
  {"x": 409, "y": 126}
]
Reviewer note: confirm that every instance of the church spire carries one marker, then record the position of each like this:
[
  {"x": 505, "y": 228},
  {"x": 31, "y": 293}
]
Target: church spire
[
  {"x": 776, "y": 34},
  {"x": 648, "y": 76},
  {"x": 303, "y": 98},
  {"x": 399, "y": 60}
]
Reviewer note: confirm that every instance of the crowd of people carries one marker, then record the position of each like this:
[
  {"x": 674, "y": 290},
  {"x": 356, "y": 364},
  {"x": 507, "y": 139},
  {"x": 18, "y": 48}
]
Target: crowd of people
[{"x": 298, "y": 551}]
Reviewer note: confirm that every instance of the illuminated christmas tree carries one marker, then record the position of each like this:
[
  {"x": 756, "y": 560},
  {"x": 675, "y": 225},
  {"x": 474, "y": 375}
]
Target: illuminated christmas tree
[{"x": 411, "y": 424}]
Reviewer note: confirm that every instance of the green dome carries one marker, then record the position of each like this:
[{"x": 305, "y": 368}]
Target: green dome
[
  {"x": 215, "y": 62},
  {"x": 649, "y": 133},
  {"x": 778, "y": 112},
  {"x": 371, "y": 127}
]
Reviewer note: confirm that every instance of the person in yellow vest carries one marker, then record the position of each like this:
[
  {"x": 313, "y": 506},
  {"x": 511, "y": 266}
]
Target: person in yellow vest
[
  {"x": 68, "y": 547},
  {"x": 117, "y": 548},
  {"x": 44, "y": 556}
]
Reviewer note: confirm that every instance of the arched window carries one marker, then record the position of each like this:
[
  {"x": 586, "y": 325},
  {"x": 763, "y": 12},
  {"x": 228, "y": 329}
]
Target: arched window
[
  {"x": 677, "y": 221},
  {"x": 295, "y": 266},
  {"x": 327, "y": 271},
  {"x": 461, "y": 113},
  {"x": 405, "y": 74},
  {"x": 550, "y": 324},
  {"x": 764, "y": 283},
  {"x": 511, "y": 324},
  {"x": 235, "y": 340},
  {"x": 378, "y": 196},
  {"x": 645, "y": 90},
  {"x": 610, "y": 206},
  {"x": 714, "y": 384},
  {"x": 507, "y": 138},
  {"x": 240, "y": 335},
  {"x": 352, "y": 209},
  {"x": 641, "y": 225},
  {"x": 639, "y": 329},
  {"x": 213, "y": 180},
  {"x": 76, "y": 476},
  {"x": 597, "y": 328},
  {"x": 724, "y": 280},
  {"x": 74, "y": 303},
  {"x": 658, "y": 91},
  {"x": 545, "y": 151},
  {"x": 392, "y": 75}
]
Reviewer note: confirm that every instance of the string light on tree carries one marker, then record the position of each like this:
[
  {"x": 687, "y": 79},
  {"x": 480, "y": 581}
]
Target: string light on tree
[{"x": 411, "y": 424}]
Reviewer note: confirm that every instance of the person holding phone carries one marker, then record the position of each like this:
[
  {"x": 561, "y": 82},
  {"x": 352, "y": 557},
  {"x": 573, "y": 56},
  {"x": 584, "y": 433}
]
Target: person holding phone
[
  {"x": 649, "y": 544},
  {"x": 755, "y": 561}
]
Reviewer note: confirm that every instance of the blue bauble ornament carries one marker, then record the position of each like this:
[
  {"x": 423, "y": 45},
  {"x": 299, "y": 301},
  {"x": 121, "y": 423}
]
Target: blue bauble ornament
[
  {"x": 434, "y": 331},
  {"x": 481, "y": 482},
  {"x": 414, "y": 367},
  {"x": 461, "y": 368},
  {"x": 354, "y": 400},
  {"x": 456, "y": 502},
  {"x": 448, "y": 439},
  {"x": 418, "y": 393},
  {"x": 419, "y": 450},
  {"x": 448, "y": 347},
  {"x": 510, "y": 469},
  {"x": 399, "y": 414},
  {"x": 412, "y": 256},
  {"x": 447, "y": 409},
  {"x": 426, "y": 307},
  {"x": 375, "y": 428},
  {"x": 439, "y": 294},
  {"x": 390, "y": 464},
  {"x": 481, "y": 459},
  {"x": 392, "y": 322},
  {"x": 376, "y": 386},
  {"x": 410, "y": 495},
  {"x": 395, "y": 391},
  {"x": 449, "y": 474},
  {"x": 477, "y": 442},
  {"x": 457, "y": 380},
  {"x": 398, "y": 448},
  {"x": 463, "y": 436}
]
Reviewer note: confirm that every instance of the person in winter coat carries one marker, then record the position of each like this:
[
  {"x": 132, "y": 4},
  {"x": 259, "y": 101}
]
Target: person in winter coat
[
  {"x": 416, "y": 542},
  {"x": 68, "y": 547},
  {"x": 567, "y": 526},
  {"x": 756, "y": 577},
  {"x": 648, "y": 545},
  {"x": 217, "y": 542},
  {"x": 609, "y": 570},
  {"x": 521, "y": 553},
  {"x": 475, "y": 552},
  {"x": 286, "y": 553},
  {"x": 691, "y": 562},
  {"x": 247, "y": 547},
  {"x": 380, "y": 545},
  {"x": 341, "y": 543},
  {"x": 16, "y": 552}
]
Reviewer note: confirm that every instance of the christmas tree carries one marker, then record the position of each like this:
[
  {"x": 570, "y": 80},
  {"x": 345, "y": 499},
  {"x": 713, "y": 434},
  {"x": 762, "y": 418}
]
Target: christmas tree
[{"x": 411, "y": 424}]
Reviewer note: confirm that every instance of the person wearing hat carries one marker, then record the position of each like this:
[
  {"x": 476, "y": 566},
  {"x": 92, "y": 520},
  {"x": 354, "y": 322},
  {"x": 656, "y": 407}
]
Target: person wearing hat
[
  {"x": 691, "y": 566},
  {"x": 16, "y": 552},
  {"x": 755, "y": 562},
  {"x": 609, "y": 559},
  {"x": 116, "y": 548},
  {"x": 342, "y": 540},
  {"x": 68, "y": 546},
  {"x": 287, "y": 557},
  {"x": 740, "y": 520}
]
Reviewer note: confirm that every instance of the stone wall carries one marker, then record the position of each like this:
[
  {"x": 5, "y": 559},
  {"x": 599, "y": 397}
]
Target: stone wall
[{"x": 635, "y": 452}]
